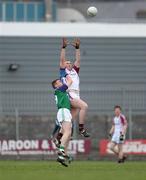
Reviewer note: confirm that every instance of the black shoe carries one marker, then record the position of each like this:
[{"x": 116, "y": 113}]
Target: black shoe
[
  {"x": 124, "y": 158},
  {"x": 84, "y": 133},
  {"x": 65, "y": 156},
  {"x": 120, "y": 161},
  {"x": 61, "y": 160}
]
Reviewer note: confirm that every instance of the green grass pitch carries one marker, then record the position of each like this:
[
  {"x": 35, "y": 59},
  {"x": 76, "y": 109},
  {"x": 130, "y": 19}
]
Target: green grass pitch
[{"x": 78, "y": 170}]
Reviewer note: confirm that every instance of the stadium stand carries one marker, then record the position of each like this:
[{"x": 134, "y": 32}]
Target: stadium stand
[
  {"x": 49, "y": 10},
  {"x": 22, "y": 11}
]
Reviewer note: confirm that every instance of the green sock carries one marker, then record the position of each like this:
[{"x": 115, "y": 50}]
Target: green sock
[{"x": 61, "y": 148}]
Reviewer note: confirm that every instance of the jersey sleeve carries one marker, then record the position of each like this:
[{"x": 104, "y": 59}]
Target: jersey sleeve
[
  {"x": 62, "y": 73},
  {"x": 77, "y": 69},
  {"x": 63, "y": 88},
  {"x": 123, "y": 119}
]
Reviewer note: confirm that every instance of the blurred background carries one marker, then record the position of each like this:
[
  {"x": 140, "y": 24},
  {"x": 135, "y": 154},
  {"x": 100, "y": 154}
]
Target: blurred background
[
  {"x": 113, "y": 71},
  {"x": 129, "y": 11}
]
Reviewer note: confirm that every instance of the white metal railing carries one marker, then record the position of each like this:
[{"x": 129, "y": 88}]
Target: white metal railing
[{"x": 33, "y": 101}]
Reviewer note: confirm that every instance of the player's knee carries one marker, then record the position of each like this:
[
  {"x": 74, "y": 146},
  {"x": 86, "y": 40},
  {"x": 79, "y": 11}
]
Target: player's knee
[{"x": 85, "y": 106}]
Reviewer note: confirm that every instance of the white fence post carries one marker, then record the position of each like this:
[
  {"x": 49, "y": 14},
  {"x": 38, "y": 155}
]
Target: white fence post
[
  {"x": 130, "y": 123},
  {"x": 17, "y": 123}
]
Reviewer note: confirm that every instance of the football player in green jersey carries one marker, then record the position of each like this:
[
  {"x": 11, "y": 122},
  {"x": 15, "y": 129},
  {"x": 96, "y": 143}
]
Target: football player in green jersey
[{"x": 64, "y": 116}]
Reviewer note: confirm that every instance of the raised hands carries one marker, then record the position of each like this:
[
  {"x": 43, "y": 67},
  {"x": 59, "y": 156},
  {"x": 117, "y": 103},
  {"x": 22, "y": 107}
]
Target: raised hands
[
  {"x": 64, "y": 42},
  {"x": 76, "y": 43}
]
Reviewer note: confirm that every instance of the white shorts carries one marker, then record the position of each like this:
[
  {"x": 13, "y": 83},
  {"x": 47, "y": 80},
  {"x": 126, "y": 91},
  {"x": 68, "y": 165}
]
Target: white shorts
[
  {"x": 74, "y": 95},
  {"x": 64, "y": 114},
  {"x": 116, "y": 138}
]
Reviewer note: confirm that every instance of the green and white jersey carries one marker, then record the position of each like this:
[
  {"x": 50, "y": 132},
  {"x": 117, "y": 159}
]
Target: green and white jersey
[{"x": 61, "y": 97}]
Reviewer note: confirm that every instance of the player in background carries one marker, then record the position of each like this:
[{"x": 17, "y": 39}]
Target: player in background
[
  {"x": 78, "y": 106},
  {"x": 118, "y": 133},
  {"x": 64, "y": 116}
]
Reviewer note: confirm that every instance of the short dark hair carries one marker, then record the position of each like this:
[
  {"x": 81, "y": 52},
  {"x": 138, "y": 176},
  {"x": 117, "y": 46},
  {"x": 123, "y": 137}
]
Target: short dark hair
[
  {"x": 117, "y": 106},
  {"x": 54, "y": 82}
]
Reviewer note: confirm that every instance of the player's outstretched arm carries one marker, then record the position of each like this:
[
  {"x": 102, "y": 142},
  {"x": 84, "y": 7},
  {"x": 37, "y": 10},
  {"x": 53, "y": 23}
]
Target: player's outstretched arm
[
  {"x": 76, "y": 44},
  {"x": 62, "y": 54}
]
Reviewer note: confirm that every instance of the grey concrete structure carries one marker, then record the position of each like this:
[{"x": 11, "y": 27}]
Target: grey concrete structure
[{"x": 112, "y": 72}]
